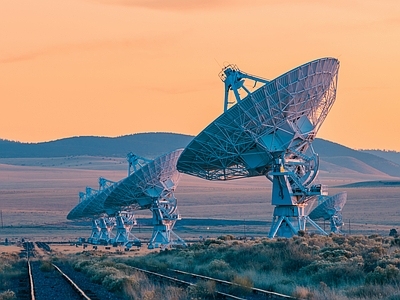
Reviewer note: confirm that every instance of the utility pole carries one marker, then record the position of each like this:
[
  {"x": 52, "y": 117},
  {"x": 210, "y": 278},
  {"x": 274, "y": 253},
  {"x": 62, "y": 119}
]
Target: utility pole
[
  {"x": 244, "y": 228},
  {"x": 349, "y": 228},
  {"x": 1, "y": 217}
]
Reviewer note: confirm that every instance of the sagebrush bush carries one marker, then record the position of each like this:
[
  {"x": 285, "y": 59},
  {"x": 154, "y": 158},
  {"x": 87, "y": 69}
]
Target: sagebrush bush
[
  {"x": 113, "y": 283},
  {"x": 331, "y": 267},
  {"x": 8, "y": 295},
  {"x": 302, "y": 292},
  {"x": 203, "y": 290},
  {"x": 388, "y": 275},
  {"x": 11, "y": 268},
  {"x": 372, "y": 291},
  {"x": 46, "y": 266},
  {"x": 242, "y": 285},
  {"x": 116, "y": 275}
]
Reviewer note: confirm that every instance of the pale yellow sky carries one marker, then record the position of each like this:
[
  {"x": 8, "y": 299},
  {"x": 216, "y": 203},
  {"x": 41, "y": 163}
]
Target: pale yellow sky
[{"x": 110, "y": 68}]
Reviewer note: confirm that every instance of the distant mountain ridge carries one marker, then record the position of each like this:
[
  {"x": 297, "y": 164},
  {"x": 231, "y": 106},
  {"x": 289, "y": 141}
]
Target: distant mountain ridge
[
  {"x": 389, "y": 155},
  {"x": 334, "y": 157},
  {"x": 328, "y": 150},
  {"x": 143, "y": 144}
]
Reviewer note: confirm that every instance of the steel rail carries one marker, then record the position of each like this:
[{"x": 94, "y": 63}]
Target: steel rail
[
  {"x": 269, "y": 294},
  {"x": 185, "y": 283},
  {"x": 73, "y": 284},
  {"x": 31, "y": 281}
]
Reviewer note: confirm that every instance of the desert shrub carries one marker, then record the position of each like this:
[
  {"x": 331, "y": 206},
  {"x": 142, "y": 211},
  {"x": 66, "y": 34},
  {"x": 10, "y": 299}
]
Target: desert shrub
[
  {"x": 175, "y": 293},
  {"x": 371, "y": 257},
  {"x": 303, "y": 293},
  {"x": 81, "y": 264},
  {"x": 10, "y": 269},
  {"x": 389, "y": 261},
  {"x": 281, "y": 285},
  {"x": 296, "y": 257},
  {"x": 7, "y": 295},
  {"x": 256, "y": 257},
  {"x": 203, "y": 290},
  {"x": 135, "y": 283},
  {"x": 46, "y": 266},
  {"x": 295, "y": 261},
  {"x": 228, "y": 237},
  {"x": 334, "y": 274},
  {"x": 242, "y": 285},
  {"x": 388, "y": 275},
  {"x": 216, "y": 268},
  {"x": 372, "y": 291},
  {"x": 97, "y": 273},
  {"x": 279, "y": 244},
  {"x": 339, "y": 239},
  {"x": 357, "y": 240},
  {"x": 138, "y": 286},
  {"x": 395, "y": 241},
  {"x": 209, "y": 242},
  {"x": 5, "y": 270},
  {"x": 335, "y": 254},
  {"x": 113, "y": 283},
  {"x": 218, "y": 265},
  {"x": 280, "y": 265},
  {"x": 396, "y": 253},
  {"x": 157, "y": 266}
]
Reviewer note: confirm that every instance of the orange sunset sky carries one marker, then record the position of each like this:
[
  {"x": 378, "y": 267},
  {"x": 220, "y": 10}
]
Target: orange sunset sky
[{"x": 110, "y": 68}]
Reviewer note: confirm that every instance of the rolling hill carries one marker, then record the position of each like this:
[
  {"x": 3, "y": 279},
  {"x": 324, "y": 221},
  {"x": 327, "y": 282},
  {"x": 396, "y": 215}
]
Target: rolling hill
[
  {"x": 334, "y": 157},
  {"x": 389, "y": 155},
  {"x": 143, "y": 144}
]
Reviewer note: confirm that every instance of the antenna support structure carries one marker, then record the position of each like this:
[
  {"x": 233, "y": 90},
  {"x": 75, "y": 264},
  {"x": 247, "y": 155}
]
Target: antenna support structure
[
  {"x": 234, "y": 80},
  {"x": 268, "y": 131},
  {"x": 165, "y": 215},
  {"x": 292, "y": 192}
]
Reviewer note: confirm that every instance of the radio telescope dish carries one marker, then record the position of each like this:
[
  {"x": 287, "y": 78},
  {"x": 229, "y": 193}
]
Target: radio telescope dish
[
  {"x": 268, "y": 132},
  {"x": 151, "y": 186},
  {"x": 330, "y": 208},
  {"x": 91, "y": 203}
]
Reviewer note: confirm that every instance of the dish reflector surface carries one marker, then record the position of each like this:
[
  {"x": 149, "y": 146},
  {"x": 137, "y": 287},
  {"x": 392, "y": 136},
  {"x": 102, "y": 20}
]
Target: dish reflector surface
[
  {"x": 283, "y": 114},
  {"x": 328, "y": 208},
  {"x": 155, "y": 179}
]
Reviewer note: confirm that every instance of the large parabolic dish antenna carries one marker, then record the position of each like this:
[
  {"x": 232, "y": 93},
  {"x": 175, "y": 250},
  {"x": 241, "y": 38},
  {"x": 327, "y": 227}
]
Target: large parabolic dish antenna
[
  {"x": 91, "y": 203},
  {"x": 156, "y": 179},
  {"x": 268, "y": 132},
  {"x": 150, "y": 185},
  {"x": 330, "y": 208}
]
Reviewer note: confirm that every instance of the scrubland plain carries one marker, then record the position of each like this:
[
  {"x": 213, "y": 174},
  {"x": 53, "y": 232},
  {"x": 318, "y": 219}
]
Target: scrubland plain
[{"x": 37, "y": 194}]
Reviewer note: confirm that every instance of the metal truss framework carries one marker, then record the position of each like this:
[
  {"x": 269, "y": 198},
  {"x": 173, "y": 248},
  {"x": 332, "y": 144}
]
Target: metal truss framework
[
  {"x": 283, "y": 114},
  {"x": 330, "y": 208},
  {"x": 102, "y": 231},
  {"x": 150, "y": 185},
  {"x": 268, "y": 132}
]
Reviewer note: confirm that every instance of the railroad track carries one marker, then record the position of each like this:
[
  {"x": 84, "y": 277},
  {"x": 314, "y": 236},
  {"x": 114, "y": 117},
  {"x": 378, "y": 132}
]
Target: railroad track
[
  {"x": 54, "y": 284},
  {"x": 265, "y": 294},
  {"x": 183, "y": 283},
  {"x": 44, "y": 246},
  {"x": 28, "y": 251}
]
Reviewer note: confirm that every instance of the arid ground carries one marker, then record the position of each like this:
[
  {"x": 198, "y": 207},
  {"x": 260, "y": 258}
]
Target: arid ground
[{"x": 37, "y": 194}]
